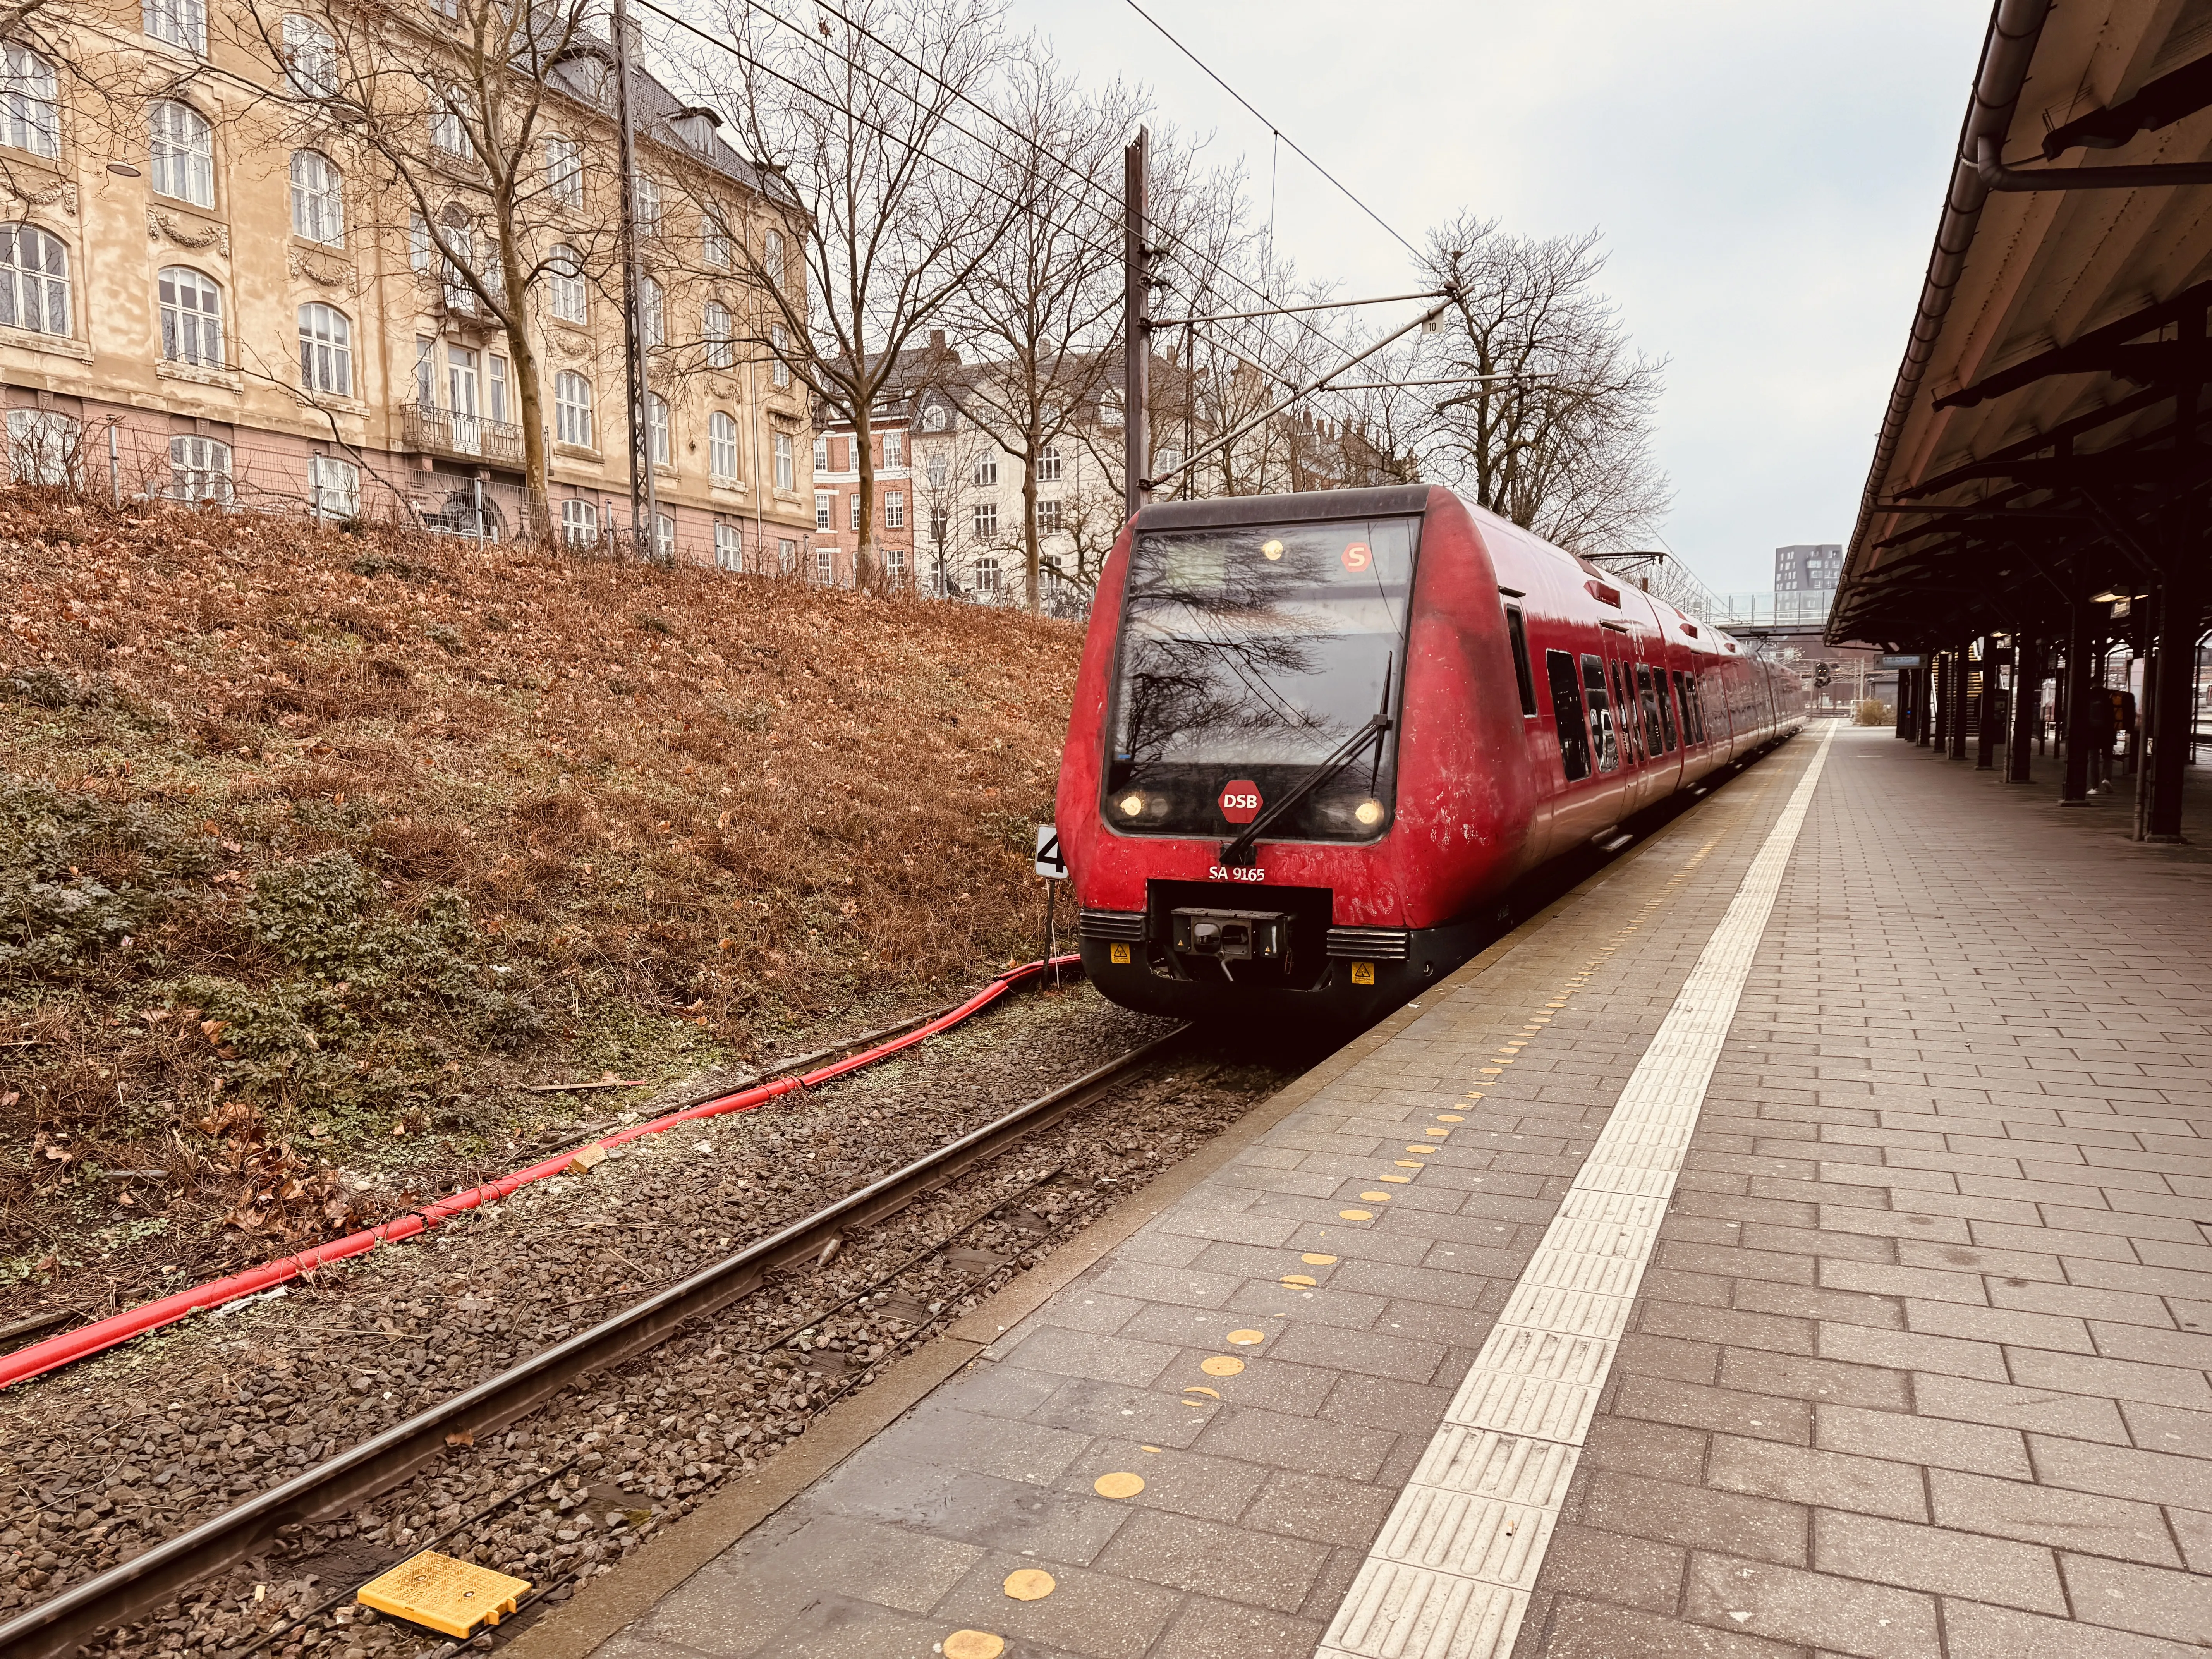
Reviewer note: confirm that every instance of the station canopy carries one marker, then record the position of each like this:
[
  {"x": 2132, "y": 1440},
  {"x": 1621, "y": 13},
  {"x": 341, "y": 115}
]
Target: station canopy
[{"x": 2033, "y": 459}]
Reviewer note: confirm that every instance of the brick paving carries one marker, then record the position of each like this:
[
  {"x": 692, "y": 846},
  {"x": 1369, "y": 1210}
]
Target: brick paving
[{"x": 1918, "y": 1366}]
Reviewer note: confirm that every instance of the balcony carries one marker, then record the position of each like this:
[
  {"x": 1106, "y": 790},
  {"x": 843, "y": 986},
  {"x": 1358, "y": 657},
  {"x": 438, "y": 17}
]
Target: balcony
[{"x": 464, "y": 437}]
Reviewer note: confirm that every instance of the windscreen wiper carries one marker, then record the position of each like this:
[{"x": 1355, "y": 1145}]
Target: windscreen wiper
[{"x": 1240, "y": 852}]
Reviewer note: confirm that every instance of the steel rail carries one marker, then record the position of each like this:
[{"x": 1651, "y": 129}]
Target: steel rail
[{"x": 59, "y": 1624}]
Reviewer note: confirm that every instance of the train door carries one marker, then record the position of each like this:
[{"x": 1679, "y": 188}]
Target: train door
[
  {"x": 1656, "y": 708},
  {"x": 1620, "y": 676}
]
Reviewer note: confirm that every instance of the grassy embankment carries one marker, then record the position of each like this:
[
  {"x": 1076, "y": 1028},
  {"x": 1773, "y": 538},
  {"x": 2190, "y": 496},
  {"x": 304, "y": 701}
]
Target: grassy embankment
[{"x": 315, "y": 844}]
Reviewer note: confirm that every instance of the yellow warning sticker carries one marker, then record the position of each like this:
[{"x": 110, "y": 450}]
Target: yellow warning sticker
[
  {"x": 1118, "y": 953},
  {"x": 1363, "y": 972}
]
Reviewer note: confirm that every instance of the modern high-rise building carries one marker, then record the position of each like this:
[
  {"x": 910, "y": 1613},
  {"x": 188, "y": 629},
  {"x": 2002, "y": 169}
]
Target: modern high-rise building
[{"x": 1805, "y": 579}]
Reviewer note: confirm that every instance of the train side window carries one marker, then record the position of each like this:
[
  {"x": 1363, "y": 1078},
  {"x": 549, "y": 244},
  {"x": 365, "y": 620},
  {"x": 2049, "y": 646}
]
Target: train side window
[
  {"x": 1665, "y": 710},
  {"x": 1696, "y": 707},
  {"x": 1518, "y": 631},
  {"x": 1655, "y": 744},
  {"x": 1682, "y": 699},
  {"x": 1567, "y": 715},
  {"x": 1602, "y": 736},
  {"x": 1623, "y": 710}
]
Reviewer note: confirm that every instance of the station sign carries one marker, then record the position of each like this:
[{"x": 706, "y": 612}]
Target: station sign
[{"x": 1895, "y": 660}]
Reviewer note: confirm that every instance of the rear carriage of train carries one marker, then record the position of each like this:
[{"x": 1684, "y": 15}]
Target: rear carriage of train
[{"x": 1315, "y": 736}]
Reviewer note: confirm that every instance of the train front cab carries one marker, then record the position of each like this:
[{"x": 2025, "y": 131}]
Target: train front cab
[{"x": 1238, "y": 649}]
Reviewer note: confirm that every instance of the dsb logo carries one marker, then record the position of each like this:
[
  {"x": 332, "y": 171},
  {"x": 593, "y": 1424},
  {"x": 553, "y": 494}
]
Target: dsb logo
[{"x": 1240, "y": 800}]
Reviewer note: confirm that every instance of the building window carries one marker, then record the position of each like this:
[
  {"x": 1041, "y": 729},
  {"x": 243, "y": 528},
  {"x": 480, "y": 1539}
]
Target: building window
[
  {"x": 714, "y": 239},
  {"x": 652, "y": 313},
  {"x": 180, "y": 22},
  {"x": 34, "y": 280},
  {"x": 779, "y": 337},
  {"x": 446, "y": 132},
  {"x": 183, "y": 151},
  {"x": 191, "y": 318},
  {"x": 895, "y": 566},
  {"x": 564, "y": 285},
  {"x": 499, "y": 390},
  {"x": 44, "y": 446},
  {"x": 199, "y": 469},
  {"x": 333, "y": 487},
  {"x": 564, "y": 170},
  {"x": 317, "y": 199},
  {"x": 325, "y": 350},
  {"x": 722, "y": 447},
  {"x": 580, "y": 522},
  {"x": 821, "y": 454},
  {"x": 30, "y": 106},
  {"x": 772, "y": 258},
  {"x": 825, "y": 565},
  {"x": 1048, "y": 517},
  {"x": 729, "y": 546},
  {"x": 940, "y": 525},
  {"x": 936, "y": 418},
  {"x": 826, "y": 507},
  {"x": 987, "y": 520},
  {"x": 425, "y": 372},
  {"x": 645, "y": 197},
  {"x": 939, "y": 470},
  {"x": 664, "y": 537},
  {"x": 714, "y": 326},
  {"x": 311, "y": 58},
  {"x": 894, "y": 449},
  {"x": 656, "y": 426},
  {"x": 856, "y": 509},
  {"x": 895, "y": 509},
  {"x": 1048, "y": 465},
  {"x": 987, "y": 574},
  {"x": 783, "y": 468},
  {"x": 459, "y": 236},
  {"x": 987, "y": 469},
  {"x": 572, "y": 408},
  {"x": 786, "y": 555}
]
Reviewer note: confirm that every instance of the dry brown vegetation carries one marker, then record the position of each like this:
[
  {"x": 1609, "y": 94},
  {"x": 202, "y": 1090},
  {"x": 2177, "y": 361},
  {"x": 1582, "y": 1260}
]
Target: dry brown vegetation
[{"x": 314, "y": 842}]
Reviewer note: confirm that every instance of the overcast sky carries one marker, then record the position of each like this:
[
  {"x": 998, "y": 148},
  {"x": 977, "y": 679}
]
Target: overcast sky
[{"x": 1767, "y": 174}]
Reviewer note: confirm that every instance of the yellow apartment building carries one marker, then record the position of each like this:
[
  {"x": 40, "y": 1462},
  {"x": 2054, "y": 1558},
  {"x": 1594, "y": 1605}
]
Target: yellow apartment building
[{"x": 218, "y": 282}]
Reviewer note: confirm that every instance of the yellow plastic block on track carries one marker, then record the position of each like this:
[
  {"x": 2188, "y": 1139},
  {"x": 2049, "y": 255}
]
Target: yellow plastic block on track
[{"x": 450, "y": 1597}]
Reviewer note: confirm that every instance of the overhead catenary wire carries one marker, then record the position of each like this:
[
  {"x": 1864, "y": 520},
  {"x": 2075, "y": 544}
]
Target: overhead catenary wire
[
  {"x": 1296, "y": 148},
  {"x": 1110, "y": 197}
]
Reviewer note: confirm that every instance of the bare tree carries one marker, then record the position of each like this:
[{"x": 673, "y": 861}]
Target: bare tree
[
  {"x": 1557, "y": 437},
  {"x": 864, "y": 123},
  {"x": 1042, "y": 306},
  {"x": 484, "y": 126}
]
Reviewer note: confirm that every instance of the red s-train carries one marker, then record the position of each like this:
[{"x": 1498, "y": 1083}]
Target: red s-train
[{"x": 1315, "y": 737}]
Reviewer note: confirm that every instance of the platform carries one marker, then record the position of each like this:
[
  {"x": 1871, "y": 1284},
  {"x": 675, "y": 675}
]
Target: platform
[{"x": 1792, "y": 1243}]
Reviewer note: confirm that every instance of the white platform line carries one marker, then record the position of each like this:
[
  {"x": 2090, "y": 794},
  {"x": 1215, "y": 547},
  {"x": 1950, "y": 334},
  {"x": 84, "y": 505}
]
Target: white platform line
[{"x": 1450, "y": 1573}]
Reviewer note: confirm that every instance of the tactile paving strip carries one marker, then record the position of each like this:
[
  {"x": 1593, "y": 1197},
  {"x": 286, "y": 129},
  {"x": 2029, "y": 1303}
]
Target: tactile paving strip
[{"x": 1449, "y": 1575}]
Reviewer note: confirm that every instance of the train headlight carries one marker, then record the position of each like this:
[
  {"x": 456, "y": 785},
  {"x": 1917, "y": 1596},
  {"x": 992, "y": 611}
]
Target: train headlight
[
  {"x": 1271, "y": 551},
  {"x": 1369, "y": 812},
  {"x": 1131, "y": 804}
]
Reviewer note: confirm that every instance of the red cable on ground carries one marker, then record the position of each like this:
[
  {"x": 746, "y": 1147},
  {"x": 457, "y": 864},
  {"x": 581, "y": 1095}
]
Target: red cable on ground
[{"x": 58, "y": 1350}]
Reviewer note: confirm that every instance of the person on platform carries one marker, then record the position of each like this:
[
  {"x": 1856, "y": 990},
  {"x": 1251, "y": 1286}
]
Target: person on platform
[
  {"x": 2123, "y": 725},
  {"x": 2101, "y": 726}
]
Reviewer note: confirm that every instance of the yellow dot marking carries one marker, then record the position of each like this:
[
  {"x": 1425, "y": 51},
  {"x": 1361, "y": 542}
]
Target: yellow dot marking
[
  {"x": 1375, "y": 1198},
  {"x": 1492, "y": 1071},
  {"x": 1401, "y": 1180},
  {"x": 1306, "y": 1279},
  {"x": 1450, "y": 1117},
  {"x": 1355, "y": 1215},
  {"x": 1030, "y": 1585},
  {"x": 1314, "y": 1258},
  {"x": 1437, "y": 1134},
  {"x": 1195, "y": 1405},
  {"x": 1224, "y": 1365},
  {"x": 1155, "y": 1450},
  {"x": 1246, "y": 1339},
  {"x": 1118, "y": 1484},
  {"x": 1425, "y": 1150},
  {"x": 973, "y": 1644},
  {"x": 1199, "y": 1387},
  {"x": 1409, "y": 1162}
]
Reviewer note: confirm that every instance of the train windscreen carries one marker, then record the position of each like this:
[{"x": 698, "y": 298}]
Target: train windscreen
[{"x": 1250, "y": 656}]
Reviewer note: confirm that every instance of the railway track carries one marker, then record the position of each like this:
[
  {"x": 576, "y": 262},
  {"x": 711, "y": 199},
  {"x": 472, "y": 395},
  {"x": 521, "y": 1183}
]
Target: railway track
[{"x": 114, "y": 1598}]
